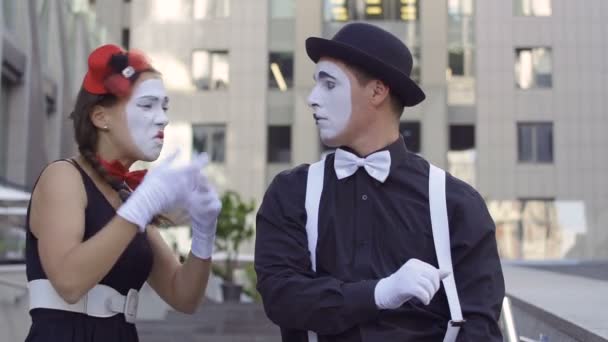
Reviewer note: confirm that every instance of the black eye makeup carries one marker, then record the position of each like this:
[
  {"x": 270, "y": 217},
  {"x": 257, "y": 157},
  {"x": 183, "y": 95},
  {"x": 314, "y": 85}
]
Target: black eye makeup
[{"x": 147, "y": 102}]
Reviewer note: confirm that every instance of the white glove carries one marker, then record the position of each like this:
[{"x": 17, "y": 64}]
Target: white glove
[
  {"x": 414, "y": 279},
  {"x": 163, "y": 188},
  {"x": 204, "y": 206}
]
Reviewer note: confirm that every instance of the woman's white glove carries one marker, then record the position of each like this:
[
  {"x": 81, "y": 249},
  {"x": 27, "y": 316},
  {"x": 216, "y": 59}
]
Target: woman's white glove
[
  {"x": 204, "y": 207},
  {"x": 164, "y": 187},
  {"x": 414, "y": 279}
]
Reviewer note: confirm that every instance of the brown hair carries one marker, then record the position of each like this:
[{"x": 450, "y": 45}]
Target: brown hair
[
  {"x": 364, "y": 77},
  {"x": 86, "y": 136}
]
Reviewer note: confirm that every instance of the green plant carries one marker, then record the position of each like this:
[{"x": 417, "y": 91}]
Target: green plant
[
  {"x": 233, "y": 229},
  {"x": 252, "y": 279}
]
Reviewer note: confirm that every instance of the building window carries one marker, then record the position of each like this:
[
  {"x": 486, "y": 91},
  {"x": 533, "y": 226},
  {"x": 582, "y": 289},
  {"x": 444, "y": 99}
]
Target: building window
[
  {"x": 533, "y": 68},
  {"x": 210, "y": 139},
  {"x": 210, "y": 70},
  {"x": 462, "y": 137},
  {"x": 347, "y": 10},
  {"x": 532, "y": 8},
  {"x": 279, "y": 144},
  {"x": 125, "y": 37},
  {"x": 460, "y": 37},
  {"x": 208, "y": 9},
  {"x": 410, "y": 130},
  {"x": 280, "y": 70},
  {"x": 282, "y": 9},
  {"x": 456, "y": 61},
  {"x": 535, "y": 142},
  {"x": 538, "y": 228}
]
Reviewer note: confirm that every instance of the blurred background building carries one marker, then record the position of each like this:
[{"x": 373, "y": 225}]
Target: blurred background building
[
  {"x": 514, "y": 105},
  {"x": 515, "y": 95},
  {"x": 44, "y": 47}
]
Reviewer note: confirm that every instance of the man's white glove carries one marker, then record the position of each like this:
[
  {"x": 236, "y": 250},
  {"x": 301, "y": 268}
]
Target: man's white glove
[
  {"x": 414, "y": 279},
  {"x": 204, "y": 207},
  {"x": 163, "y": 188}
]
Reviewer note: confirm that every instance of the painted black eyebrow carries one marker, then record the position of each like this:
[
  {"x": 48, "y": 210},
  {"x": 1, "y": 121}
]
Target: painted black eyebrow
[
  {"x": 149, "y": 98},
  {"x": 154, "y": 98},
  {"x": 323, "y": 74}
]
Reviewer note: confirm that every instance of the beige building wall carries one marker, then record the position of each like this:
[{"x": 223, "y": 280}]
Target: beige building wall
[
  {"x": 575, "y": 104},
  {"x": 168, "y": 33}
]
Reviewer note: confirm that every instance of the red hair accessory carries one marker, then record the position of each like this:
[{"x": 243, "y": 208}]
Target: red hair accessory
[
  {"x": 111, "y": 68},
  {"x": 120, "y": 172}
]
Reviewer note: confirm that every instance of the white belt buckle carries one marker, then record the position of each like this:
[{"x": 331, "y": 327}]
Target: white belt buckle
[{"x": 131, "y": 302}]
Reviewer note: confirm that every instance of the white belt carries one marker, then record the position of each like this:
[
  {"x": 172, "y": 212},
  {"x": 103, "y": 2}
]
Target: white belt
[{"x": 101, "y": 301}]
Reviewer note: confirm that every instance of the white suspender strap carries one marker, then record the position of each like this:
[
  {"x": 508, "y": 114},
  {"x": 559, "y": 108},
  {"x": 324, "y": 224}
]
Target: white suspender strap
[
  {"x": 441, "y": 238},
  {"x": 314, "y": 188}
]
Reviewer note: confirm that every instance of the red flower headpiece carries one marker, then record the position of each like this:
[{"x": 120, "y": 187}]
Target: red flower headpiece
[{"x": 111, "y": 70}]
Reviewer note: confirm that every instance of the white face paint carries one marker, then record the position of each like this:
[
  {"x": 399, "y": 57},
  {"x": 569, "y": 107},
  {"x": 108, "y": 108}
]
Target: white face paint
[
  {"x": 146, "y": 117},
  {"x": 330, "y": 100}
]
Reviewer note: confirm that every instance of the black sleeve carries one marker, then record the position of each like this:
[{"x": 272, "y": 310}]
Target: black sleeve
[
  {"x": 293, "y": 296},
  {"x": 477, "y": 269}
]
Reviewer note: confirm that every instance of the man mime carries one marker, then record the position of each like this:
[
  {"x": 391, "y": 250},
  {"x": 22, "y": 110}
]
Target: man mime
[{"x": 390, "y": 234}]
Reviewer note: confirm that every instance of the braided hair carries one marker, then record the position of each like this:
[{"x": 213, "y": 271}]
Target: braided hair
[{"x": 86, "y": 135}]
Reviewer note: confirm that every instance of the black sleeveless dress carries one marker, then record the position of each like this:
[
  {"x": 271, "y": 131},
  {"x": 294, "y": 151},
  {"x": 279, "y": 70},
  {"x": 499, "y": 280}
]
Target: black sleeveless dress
[{"x": 130, "y": 271}]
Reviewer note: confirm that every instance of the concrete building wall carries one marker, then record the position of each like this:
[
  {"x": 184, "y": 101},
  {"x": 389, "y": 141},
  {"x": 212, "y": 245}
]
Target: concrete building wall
[
  {"x": 575, "y": 104},
  {"x": 44, "y": 49},
  {"x": 169, "y": 34}
]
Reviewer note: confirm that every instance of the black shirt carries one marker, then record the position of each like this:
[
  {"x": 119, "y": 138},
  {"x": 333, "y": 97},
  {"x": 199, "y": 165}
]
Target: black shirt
[{"x": 368, "y": 230}]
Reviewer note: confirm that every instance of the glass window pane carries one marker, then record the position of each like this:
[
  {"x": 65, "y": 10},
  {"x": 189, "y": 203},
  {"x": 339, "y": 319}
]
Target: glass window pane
[
  {"x": 536, "y": 8},
  {"x": 218, "y": 146},
  {"x": 199, "y": 139},
  {"x": 338, "y": 10},
  {"x": 206, "y": 9},
  {"x": 280, "y": 9},
  {"x": 279, "y": 144},
  {"x": 210, "y": 139},
  {"x": 541, "y": 8},
  {"x": 411, "y": 135},
  {"x": 373, "y": 10},
  {"x": 220, "y": 70},
  {"x": 407, "y": 10},
  {"x": 210, "y": 70},
  {"x": 201, "y": 8},
  {"x": 222, "y": 8},
  {"x": 523, "y": 68},
  {"x": 541, "y": 58},
  {"x": 525, "y": 143},
  {"x": 200, "y": 69},
  {"x": 462, "y": 137},
  {"x": 8, "y": 12},
  {"x": 544, "y": 143},
  {"x": 456, "y": 61},
  {"x": 280, "y": 70},
  {"x": 533, "y": 68}
]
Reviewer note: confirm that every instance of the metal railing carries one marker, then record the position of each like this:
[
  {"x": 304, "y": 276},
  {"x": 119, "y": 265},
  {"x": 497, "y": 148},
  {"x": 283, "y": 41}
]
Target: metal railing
[{"x": 510, "y": 329}]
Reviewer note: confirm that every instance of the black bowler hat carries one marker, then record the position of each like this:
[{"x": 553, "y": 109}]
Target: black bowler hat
[{"x": 374, "y": 50}]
